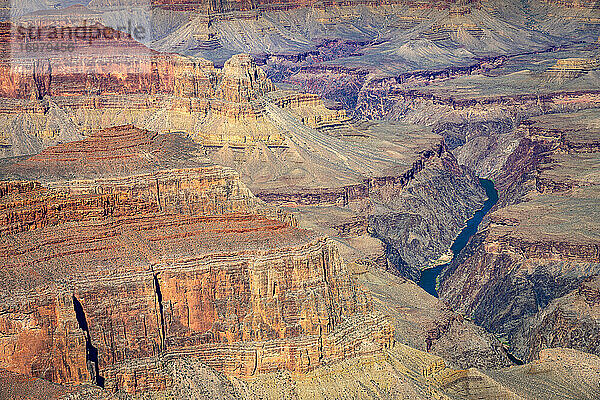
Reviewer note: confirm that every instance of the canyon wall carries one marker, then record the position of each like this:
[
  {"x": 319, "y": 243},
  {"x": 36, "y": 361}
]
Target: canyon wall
[
  {"x": 419, "y": 220},
  {"x": 541, "y": 248},
  {"x": 185, "y": 263}
]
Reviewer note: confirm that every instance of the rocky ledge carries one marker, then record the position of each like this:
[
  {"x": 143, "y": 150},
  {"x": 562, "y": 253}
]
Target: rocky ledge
[
  {"x": 531, "y": 267},
  {"x": 160, "y": 259}
]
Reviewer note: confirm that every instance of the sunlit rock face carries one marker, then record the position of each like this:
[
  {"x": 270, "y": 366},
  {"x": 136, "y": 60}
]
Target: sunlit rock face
[
  {"x": 243, "y": 80},
  {"x": 240, "y": 206},
  {"x": 140, "y": 249}
]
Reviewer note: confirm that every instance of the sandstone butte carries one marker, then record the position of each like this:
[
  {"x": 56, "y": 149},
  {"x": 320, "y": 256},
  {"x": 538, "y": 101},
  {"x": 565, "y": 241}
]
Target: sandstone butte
[
  {"x": 106, "y": 276},
  {"x": 122, "y": 82}
]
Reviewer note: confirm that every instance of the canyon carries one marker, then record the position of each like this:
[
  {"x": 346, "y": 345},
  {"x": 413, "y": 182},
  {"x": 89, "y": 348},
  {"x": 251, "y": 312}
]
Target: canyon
[
  {"x": 241, "y": 203},
  {"x": 542, "y": 244}
]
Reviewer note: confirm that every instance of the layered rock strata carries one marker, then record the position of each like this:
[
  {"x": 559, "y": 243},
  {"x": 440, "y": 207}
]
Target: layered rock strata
[
  {"x": 396, "y": 373},
  {"x": 108, "y": 278},
  {"x": 117, "y": 172},
  {"x": 289, "y": 148},
  {"x": 124, "y": 66},
  {"x": 542, "y": 245},
  {"x": 236, "y": 311}
]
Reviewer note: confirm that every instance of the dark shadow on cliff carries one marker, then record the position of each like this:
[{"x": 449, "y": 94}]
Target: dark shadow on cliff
[{"x": 91, "y": 351}]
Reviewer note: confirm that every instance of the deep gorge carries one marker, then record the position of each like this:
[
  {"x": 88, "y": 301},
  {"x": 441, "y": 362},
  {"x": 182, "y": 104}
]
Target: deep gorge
[{"x": 428, "y": 280}]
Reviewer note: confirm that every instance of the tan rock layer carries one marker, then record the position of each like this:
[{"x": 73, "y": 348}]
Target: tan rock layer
[{"x": 346, "y": 194}]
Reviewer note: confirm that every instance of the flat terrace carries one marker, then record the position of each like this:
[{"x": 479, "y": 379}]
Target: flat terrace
[
  {"x": 520, "y": 76},
  {"x": 565, "y": 205},
  {"x": 570, "y": 218},
  {"x": 578, "y": 128}
]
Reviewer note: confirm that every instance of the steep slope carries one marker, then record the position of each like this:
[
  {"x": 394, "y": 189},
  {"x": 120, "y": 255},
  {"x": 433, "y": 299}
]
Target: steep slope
[
  {"x": 133, "y": 251},
  {"x": 425, "y": 323},
  {"x": 541, "y": 244},
  {"x": 568, "y": 321}
]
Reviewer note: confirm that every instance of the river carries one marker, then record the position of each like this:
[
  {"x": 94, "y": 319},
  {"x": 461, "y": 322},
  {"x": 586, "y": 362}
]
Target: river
[{"x": 429, "y": 276}]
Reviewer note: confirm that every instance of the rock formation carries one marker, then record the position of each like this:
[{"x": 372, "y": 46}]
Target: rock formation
[
  {"x": 243, "y": 81},
  {"x": 424, "y": 323},
  {"x": 568, "y": 321},
  {"x": 171, "y": 228},
  {"x": 164, "y": 255},
  {"x": 541, "y": 245},
  {"x": 288, "y": 146}
]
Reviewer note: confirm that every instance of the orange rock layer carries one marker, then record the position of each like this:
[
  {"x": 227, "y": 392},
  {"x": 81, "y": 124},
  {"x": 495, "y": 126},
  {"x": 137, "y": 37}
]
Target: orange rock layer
[
  {"x": 242, "y": 293},
  {"x": 123, "y": 66},
  {"x": 122, "y": 255},
  {"x": 117, "y": 172}
]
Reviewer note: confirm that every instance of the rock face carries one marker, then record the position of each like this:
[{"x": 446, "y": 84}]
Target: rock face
[
  {"x": 425, "y": 323},
  {"x": 568, "y": 321},
  {"x": 288, "y": 147},
  {"x": 117, "y": 172},
  {"x": 117, "y": 82},
  {"x": 135, "y": 150},
  {"x": 163, "y": 256},
  {"x": 536, "y": 379},
  {"x": 21, "y": 387},
  {"x": 243, "y": 81},
  {"x": 124, "y": 66},
  {"x": 419, "y": 222},
  {"x": 393, "y": 374},
  {"x": 220, "y": 6},
  {"x": 532, "y": 262},
  {"x": 195, "y": 305}
]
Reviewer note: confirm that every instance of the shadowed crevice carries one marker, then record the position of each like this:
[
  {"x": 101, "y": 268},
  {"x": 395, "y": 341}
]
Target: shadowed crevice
[
  {"x": 91, "y": 353},
  {"x": 161, "y": 316}
]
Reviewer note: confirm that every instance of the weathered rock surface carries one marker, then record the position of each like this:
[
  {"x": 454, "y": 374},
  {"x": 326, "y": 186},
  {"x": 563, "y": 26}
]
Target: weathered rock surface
[
  {"x": 541, "y": 244},
  {"x": 243, "y": 81},
  {"x": 294, "y": 151},
  {"x": 117, "y": 172},
  {"x": 398, "y": 182},
  {"x": 396, "y": 373},
  {"x": 102, "y": 279},
  {"x": 558, "y": 373},
  {"x": 196, "y": 304},
  {"x": 419, "y": 222},
  {"x": 288, "y": 147},
  {"x": 150, "y": 267},
  {"x": 21, "y": 387},
  {"x": 568, "y": 321},
  {"x": 425, "y": 323}
]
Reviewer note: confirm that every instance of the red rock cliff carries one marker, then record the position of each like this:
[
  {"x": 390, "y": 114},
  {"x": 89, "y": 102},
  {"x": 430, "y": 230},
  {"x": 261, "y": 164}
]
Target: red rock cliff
[{"x": 104, "y": 277}]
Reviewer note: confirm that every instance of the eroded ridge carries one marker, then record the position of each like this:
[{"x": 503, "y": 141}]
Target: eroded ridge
[{"x": 105, "y": 278}]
